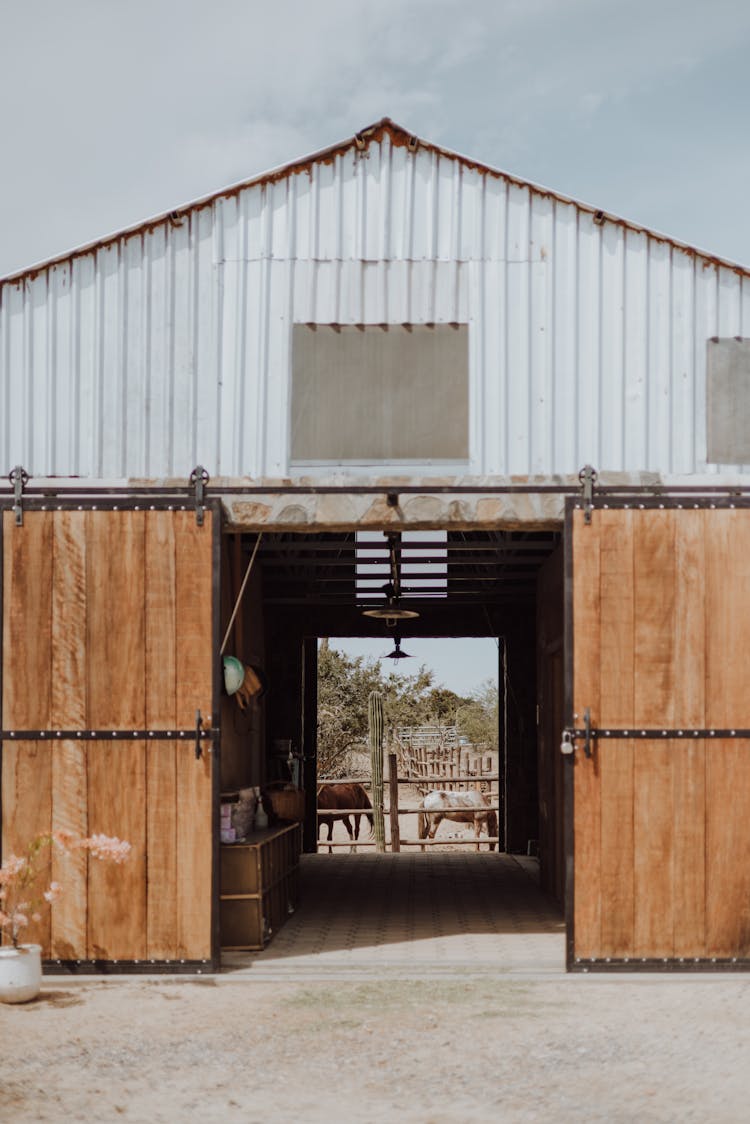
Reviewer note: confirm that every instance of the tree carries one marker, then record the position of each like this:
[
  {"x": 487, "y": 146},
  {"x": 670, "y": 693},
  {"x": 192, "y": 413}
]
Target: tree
[
  {"x": 443, "y": 705},
  {"x": 479, "y": 720},
  {"x": 405, "y": 698},
  {"x": 344, "y": 686}
]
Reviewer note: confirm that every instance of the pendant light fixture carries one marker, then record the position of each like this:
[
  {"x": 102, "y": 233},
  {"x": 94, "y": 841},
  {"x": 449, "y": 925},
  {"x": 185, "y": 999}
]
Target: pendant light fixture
[
  {"x": 392, "y": 611},
  {"x": 397, "y": 654}
]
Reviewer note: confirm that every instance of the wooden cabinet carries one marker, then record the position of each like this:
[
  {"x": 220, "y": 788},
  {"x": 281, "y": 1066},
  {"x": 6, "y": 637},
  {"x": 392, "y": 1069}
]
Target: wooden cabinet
[{"x": 259, "y": 886}]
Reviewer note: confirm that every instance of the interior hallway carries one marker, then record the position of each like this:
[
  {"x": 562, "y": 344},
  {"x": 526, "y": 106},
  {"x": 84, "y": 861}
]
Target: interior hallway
[{"x": 414, "y": 913}]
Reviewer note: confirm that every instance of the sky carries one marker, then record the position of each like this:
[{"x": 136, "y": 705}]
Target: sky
[
  {"x": 462, "y": 664},
  {"x": 116, "y": 111}
]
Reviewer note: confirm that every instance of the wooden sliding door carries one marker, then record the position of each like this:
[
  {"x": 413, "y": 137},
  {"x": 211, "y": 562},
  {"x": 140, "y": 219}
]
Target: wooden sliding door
[
  {"x": 107, "y": 645},
  {"x": 660, "y": 602}
]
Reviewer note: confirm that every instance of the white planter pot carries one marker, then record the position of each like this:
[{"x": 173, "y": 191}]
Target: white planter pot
[{"x": 20, "y": 973}]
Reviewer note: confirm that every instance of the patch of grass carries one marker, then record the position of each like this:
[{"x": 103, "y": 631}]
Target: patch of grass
[
  {"x": 389, "y": 995},
  {"x": 182, "y": 981}
]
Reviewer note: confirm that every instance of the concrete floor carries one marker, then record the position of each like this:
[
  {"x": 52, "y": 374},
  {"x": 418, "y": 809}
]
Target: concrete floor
[{"x": 413, "y": 913}]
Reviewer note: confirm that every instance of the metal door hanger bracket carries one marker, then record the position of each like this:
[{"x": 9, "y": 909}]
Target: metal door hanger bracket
[
  {"x": 199, "y": 479},
  {"x": 19, "y": 478},
  {"x": 587, "y": 476}
]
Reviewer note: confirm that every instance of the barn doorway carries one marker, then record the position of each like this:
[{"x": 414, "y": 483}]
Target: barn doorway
[
  {"x": 445, "y": 731},
  {"x": 500, "y": 587}
]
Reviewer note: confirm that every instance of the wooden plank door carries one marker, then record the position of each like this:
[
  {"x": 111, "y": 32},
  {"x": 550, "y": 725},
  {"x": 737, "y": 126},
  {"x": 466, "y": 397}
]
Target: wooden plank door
[
  {"x": 108, "y": 626},
  {"x": 661, "y": 823}
]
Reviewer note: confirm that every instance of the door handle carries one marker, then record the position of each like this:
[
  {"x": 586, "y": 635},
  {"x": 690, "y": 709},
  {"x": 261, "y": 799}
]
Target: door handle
[{"x": 198, "y": 732}]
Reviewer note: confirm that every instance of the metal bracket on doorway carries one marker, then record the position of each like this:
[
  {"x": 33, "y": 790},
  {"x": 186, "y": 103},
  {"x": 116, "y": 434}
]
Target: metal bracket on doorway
[
  {"x": 587, "y": 731},
  {"x": 658, "y": 734},
  {"x": 198, "y": 480},
  {"x": 571, "y": 735},
  {"x": 588, "y": 735},
  {"x": 587, "y": 476},
  {"x": 196, "y": 735},
  {"x": 19, "y": 478}
]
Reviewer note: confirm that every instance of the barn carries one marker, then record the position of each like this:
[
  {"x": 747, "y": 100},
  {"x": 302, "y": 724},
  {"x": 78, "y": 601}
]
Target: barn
[{"x": 382, "y": 343}]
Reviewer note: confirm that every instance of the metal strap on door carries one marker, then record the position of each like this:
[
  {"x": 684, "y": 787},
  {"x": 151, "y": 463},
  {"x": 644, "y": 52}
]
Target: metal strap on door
[
  {"x": 589, "y": 734},
  {"x": 197, "y": 735}
]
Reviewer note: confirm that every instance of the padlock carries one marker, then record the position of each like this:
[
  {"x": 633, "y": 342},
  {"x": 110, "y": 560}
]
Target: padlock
[{"x": 567, "y": 746}]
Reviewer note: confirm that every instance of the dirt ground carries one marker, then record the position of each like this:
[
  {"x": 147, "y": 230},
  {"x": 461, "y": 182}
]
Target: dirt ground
[{"x": 426, "y": 1050}]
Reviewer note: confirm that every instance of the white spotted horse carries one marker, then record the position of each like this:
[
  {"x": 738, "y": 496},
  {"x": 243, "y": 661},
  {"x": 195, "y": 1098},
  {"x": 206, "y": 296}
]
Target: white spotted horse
[{"x": 461, "y": 807}]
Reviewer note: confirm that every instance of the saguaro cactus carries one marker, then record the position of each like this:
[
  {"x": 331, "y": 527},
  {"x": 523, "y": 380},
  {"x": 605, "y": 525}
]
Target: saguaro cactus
[{"x": 375, "y": 716}]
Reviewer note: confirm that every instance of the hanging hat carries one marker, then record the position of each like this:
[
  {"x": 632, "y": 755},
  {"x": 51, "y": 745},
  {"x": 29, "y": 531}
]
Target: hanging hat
[
  {"x": 234, "y": 674},
  {"x": 252, "y": 687}
]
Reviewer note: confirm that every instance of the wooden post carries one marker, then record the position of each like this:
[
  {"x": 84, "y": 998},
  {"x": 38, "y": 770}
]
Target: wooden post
[
  {"x": 393, "y": 783},
  {"x": 375, "y": 715}
]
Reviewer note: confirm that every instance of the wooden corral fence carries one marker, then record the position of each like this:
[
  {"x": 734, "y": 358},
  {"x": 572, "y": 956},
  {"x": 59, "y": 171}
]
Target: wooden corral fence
[
  {"x": 430, "y": 754},
  {"x": 486, "y": 782}
]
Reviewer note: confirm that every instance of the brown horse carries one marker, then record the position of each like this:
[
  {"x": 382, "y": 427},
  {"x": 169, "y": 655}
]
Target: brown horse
[
  {"x": 348, "y": 796},
  {"x": 462, "y": 807}
]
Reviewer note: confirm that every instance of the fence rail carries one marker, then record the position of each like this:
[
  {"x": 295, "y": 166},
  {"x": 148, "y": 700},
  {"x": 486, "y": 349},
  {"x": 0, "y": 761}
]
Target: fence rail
[
  {"x": 466, "y": 842},
  {"x": 468, "y": 778},
  {"x": 412, "y": 810},
  {"x": 395, "y": 809}
]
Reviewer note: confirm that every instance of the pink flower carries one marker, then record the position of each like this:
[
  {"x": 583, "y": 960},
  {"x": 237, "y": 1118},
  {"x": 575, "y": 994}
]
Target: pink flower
[
  {"x": 12, "y": 867},
  {"x": 108, "y": 847},
  {"x": 20, "y": 876}
]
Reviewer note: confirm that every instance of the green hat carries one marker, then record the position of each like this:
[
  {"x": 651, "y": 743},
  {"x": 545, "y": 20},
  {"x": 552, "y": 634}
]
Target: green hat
[{"x": 234, "y": 674}]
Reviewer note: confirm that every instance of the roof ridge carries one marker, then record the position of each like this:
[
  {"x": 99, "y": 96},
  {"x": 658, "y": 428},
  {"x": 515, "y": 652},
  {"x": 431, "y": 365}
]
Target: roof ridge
[{"x": 360, "y": 140}]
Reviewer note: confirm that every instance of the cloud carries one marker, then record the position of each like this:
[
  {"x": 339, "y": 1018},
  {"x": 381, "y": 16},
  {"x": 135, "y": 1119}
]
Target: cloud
[{"x": 116, "y": 112}]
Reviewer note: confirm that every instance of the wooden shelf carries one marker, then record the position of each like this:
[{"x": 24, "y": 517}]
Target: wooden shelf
[{"x": 259, "y": 886}]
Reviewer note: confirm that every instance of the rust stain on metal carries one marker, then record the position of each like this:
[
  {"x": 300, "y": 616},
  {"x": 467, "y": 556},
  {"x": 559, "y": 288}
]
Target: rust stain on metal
[{"x": 359, "y": 144}]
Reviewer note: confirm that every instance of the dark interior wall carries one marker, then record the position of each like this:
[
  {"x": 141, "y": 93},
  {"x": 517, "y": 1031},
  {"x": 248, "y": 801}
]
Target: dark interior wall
[
  {"x": 310, "y": 741},
  {"x": 550, "y": 665},
  {"x": 438, "y": 621},
  {"x": 242, "y": 731},
  {"x": 519, "y": 689},
  {"x": 284, "y": 712}
]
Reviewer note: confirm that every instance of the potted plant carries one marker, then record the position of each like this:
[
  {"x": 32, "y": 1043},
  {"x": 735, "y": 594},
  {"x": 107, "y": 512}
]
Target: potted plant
[{"x": 25, "y": 889}]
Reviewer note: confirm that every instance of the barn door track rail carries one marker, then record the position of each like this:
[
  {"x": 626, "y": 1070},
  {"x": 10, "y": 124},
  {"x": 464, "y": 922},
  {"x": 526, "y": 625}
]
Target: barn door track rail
[
  {"x": 44, "y": 494},
  {"x": 197, "y": 490}
]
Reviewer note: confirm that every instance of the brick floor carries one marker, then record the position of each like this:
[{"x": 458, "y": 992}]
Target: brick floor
[{"x": 415, "y": 913}]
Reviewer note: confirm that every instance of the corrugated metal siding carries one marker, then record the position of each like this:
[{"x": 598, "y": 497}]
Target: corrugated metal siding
[{"x": 171, "y": 346}]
